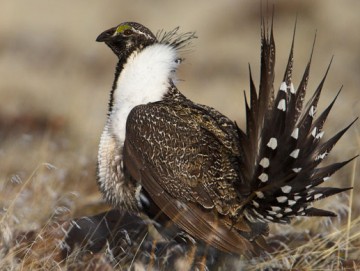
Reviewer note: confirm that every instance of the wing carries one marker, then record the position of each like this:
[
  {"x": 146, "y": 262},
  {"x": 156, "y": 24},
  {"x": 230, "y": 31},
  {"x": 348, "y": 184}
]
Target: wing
[
  {"x": 185, "y": 162},
  {"x": 192, "y": 156}
]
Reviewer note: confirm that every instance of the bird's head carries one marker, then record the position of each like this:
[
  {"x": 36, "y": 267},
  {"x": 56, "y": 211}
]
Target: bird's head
[
  {"x": 130, "y": 36},
  {"x": 126, "y": 38}
]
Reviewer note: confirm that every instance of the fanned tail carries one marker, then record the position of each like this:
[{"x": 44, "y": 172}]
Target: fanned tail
[{"x": 282, "y": 145}]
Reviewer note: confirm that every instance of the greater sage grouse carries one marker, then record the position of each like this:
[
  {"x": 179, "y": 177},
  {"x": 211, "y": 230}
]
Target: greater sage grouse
[{"x": 193, "y": 170}]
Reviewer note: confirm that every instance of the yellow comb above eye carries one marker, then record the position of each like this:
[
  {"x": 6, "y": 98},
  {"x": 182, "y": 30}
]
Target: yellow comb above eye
[{"x": 122, "y": 28}]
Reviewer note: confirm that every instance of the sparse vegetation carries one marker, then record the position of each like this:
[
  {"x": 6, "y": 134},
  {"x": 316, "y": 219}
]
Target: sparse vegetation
[{"x": 53, "y": 92}]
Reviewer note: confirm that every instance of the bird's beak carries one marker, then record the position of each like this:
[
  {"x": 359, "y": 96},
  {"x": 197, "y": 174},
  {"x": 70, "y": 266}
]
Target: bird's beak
[{"x": 106, "y": 35}]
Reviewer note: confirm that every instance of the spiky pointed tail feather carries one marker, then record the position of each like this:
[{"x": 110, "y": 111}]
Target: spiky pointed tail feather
[{"x": 282, "y": 145}]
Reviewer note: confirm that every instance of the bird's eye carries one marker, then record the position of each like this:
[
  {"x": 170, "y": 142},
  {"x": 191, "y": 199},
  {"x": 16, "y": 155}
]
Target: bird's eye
[{"x": 128, "y": 32}]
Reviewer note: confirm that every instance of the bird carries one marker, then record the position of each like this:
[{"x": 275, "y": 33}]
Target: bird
[{"x": 194, "y": 171}]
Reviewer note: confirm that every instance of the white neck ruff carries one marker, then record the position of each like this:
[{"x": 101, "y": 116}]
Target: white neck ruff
[{"x": 143, "y": 79}]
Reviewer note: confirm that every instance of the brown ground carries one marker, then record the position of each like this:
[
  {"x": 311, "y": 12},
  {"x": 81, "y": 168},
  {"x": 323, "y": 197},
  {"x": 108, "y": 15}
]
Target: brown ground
[{"x": 55, "y": 80}]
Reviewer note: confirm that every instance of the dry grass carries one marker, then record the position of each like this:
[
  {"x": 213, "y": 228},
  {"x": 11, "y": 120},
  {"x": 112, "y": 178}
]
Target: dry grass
[
  {"x": 308, "y": 244},
  {"x": 53, "y": 95}
]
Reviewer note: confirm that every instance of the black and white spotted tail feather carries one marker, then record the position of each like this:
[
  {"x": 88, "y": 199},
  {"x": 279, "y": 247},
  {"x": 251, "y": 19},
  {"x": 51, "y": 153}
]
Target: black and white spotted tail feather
[{"x": 283, "y": 146}]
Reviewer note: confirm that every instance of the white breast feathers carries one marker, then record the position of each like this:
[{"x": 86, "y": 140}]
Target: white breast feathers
[{"x": 144, "y": 79}]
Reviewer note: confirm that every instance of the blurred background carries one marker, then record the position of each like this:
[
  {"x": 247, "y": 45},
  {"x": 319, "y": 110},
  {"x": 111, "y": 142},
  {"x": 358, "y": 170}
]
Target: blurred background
[{"x": 55, "y": 82}]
